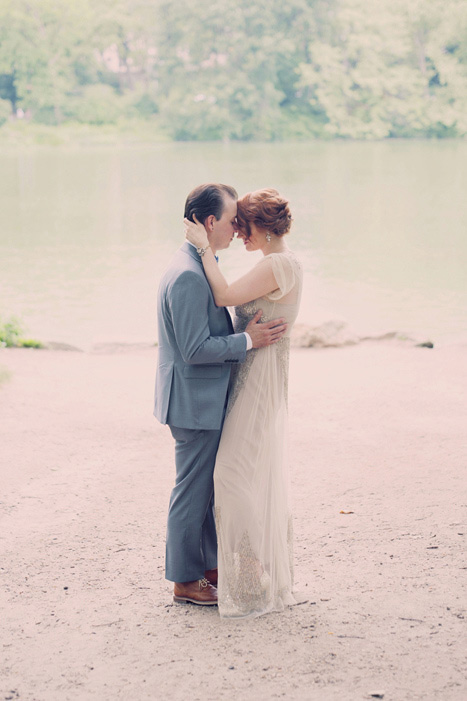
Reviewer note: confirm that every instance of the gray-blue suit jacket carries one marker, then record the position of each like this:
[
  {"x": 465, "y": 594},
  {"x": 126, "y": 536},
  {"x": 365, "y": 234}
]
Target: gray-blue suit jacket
[{"x": 197, "y": 347}]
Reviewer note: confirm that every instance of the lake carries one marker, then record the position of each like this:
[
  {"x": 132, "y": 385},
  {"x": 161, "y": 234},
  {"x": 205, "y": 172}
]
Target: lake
[{"x": 380, "y": 227}]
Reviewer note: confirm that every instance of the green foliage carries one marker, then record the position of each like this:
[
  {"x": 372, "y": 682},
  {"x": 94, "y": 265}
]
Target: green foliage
[
  {"x": 5, "y": 111},
  {"x": 7, "y": 89},
  {"x": 233, "y": 65},
  {"x": 10, "y": 332},
  {"x": 30, "y": 343},
  {"x": 96, "y": 104},
  {"x": 11, "y": 335},
  {"x": 145, "y": 105},
  {"x": 217, "y": 69}
]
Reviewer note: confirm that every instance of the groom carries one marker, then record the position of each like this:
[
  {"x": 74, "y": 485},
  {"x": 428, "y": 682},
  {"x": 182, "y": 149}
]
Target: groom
[{"x": 197, "y": 348}]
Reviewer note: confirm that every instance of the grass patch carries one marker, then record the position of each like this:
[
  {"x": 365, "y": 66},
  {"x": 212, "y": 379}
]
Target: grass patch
[
  {"x": 133, "y": 131},
  {"x": 29, "y": 343}
]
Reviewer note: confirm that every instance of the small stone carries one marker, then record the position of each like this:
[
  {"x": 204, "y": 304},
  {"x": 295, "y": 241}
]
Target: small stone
[{"x": 377, "y": 695}]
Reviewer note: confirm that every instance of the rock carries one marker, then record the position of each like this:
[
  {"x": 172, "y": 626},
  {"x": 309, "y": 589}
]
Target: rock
[
  {"x": 52, "y": 345},
  {"x": 425, "y": 344},
  {"x": 398, "y": 337},
  {"x": 331, "y": 334},
  {"x": 388, "y": 336}
]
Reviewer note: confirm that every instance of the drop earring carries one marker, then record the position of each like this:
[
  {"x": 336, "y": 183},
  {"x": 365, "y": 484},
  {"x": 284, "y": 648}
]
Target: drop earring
[{"x": 268, "y": 237}]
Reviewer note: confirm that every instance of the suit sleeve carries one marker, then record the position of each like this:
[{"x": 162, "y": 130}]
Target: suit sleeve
[{"x": 188, "y": 306}]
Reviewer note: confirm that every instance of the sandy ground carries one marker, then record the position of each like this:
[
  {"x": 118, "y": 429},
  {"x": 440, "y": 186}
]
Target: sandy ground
[{"x": 86, "y": 473}]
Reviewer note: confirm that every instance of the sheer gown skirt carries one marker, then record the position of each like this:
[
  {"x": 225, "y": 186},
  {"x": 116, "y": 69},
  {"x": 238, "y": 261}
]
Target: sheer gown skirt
[{"x": 254, "y": 526}]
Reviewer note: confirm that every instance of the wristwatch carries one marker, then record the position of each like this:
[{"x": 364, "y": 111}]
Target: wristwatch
[{"x": 202, "y": 251}]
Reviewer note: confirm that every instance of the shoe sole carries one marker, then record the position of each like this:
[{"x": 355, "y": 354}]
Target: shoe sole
[{"x": 186, "y": 600}]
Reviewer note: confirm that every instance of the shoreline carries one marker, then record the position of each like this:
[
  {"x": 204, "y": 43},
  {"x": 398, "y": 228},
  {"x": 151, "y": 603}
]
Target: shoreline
[{"x": 330, "y": 334}]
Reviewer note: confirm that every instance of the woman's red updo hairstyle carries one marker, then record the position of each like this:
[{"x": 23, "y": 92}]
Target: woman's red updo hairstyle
[{"x": 266, "y": 209}]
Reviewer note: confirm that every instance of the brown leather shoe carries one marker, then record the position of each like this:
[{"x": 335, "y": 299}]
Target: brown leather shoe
[
  {"x": 198, "y": 592},
  {"x": 211, "y": 576}
]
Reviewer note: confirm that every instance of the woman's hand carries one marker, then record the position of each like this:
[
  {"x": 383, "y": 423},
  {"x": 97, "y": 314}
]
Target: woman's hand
[{"x": 196, "y": 233}]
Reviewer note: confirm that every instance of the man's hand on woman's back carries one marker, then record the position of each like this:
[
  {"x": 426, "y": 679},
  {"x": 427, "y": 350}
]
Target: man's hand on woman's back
[{"x": 265, "y": 334}]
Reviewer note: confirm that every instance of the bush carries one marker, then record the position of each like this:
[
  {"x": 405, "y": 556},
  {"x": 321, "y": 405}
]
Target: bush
[
  {"x": 145, "y": 105},
  {"x": 10, "y": 332},
  {"x": 10, "y": 335},
  {"x": 97, "y": 104},
  {"x": 29, "y": 343}
]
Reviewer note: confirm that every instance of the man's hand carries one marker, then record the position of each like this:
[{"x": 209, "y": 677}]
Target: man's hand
[{"x": 265, "y": 334}]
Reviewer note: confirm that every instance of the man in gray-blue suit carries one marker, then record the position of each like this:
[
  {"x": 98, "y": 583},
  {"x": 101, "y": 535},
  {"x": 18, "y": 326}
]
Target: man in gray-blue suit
[{"x": 197, "y": 348}]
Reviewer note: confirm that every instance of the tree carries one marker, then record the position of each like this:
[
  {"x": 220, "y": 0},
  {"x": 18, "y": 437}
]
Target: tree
[
  {"x": 42, "y": 42},
  {"x": 390, "y": 72},
  {"x": 214, "y": 69}
]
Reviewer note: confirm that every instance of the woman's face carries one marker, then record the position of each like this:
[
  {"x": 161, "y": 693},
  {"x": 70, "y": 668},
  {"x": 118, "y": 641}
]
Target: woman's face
[{"x": 256, "y": 241}]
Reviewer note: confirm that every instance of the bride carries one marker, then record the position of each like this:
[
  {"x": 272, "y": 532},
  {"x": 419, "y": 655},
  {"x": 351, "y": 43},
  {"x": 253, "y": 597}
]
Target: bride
[{"x": 253, "y": 520}]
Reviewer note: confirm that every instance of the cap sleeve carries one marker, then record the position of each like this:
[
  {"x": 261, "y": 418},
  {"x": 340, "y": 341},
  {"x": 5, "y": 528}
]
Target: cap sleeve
[{"x": 284, "y": 271}]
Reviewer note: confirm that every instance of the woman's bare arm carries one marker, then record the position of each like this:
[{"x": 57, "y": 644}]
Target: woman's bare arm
[{"x": 256, "y": 283}]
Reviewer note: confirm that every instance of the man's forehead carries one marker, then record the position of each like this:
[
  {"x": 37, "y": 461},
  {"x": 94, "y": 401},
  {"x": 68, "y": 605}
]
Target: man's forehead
[{"x": 230, "y": 207}]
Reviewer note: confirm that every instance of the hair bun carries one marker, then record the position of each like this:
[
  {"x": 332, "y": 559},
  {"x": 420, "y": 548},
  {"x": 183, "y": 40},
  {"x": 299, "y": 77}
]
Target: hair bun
[{"x": 266, "y": 209}]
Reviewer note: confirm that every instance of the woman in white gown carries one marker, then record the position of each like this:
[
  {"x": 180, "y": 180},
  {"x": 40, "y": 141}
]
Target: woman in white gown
[{"x": 253, "y": 519}]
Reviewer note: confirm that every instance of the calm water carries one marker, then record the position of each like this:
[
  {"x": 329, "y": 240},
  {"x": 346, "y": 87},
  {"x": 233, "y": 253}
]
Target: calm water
[{"x": 381, "y": 229}]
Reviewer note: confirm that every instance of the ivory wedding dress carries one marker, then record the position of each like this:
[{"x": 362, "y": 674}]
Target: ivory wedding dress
[{"x": 253, "y": 519}]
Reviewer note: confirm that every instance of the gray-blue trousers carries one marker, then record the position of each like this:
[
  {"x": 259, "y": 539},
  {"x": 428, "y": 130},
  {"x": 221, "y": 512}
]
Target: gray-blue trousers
[{"x": 191, "y": 546}]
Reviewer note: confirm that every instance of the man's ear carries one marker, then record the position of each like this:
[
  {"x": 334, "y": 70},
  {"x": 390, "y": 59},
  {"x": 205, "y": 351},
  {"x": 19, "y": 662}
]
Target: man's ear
[{"x": 209, "y": 223}]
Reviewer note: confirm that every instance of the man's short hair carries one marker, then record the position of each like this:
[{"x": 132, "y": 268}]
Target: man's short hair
[{"x": 208, "y": 199}]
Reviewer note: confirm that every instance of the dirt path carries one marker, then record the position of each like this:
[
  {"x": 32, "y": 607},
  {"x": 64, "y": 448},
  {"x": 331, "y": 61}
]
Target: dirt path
[{"x": 86, "y": 473}]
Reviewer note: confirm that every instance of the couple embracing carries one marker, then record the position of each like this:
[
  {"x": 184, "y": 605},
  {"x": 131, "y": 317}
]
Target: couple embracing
[{"x": 222, "y": 389}]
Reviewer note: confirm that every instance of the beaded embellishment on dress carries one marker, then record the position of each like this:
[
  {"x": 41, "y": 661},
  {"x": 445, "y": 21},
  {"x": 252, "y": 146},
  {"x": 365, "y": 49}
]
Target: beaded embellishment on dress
[{"x": 243, "y": 315}]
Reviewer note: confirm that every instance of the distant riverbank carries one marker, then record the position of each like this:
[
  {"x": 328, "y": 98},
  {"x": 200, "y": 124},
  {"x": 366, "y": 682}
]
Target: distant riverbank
[{"x": 125, "y": 132}]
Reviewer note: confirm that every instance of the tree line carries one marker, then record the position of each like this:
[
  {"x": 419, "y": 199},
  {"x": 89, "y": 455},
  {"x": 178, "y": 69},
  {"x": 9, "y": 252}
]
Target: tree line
[{"x": 239, "y": 69}]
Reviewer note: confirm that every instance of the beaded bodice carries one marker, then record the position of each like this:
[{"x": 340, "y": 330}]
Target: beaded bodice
[{"x": 244, "y": 313}]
